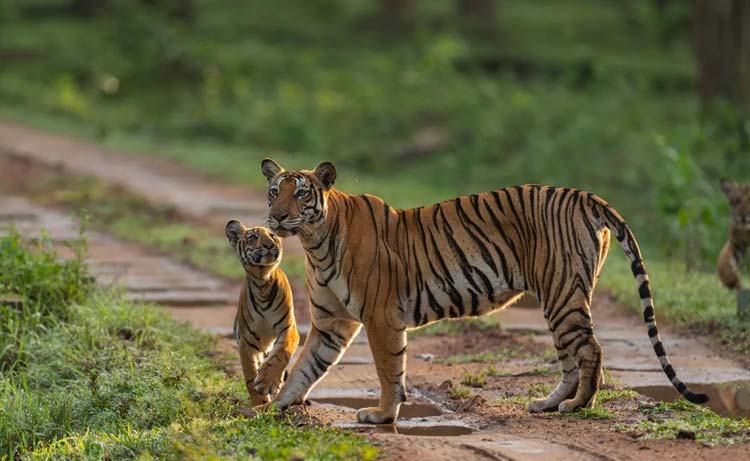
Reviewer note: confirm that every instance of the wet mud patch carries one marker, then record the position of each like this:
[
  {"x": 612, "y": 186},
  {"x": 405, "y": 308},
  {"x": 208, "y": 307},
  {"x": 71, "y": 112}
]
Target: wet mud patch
[
  {"x": 483, "y": 345},
  {"x": 418, "y": 428}
]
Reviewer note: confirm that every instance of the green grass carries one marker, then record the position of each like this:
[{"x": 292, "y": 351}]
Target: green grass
[
  {"x": 593, "y": 413},
  {"x": 499, "y": 355},
  {"x": 103, "y": 378},
  {"x": 683, "y": 419},
  {"x": 452, "y": 327},
  {"x": 609, "y": 395}
]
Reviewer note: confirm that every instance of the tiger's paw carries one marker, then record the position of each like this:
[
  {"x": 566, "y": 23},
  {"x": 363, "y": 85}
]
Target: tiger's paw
[
  {"x": 541, "y": 405},
  {"x": 374, "y": 415},
  {"x": 569, "y": 406}
]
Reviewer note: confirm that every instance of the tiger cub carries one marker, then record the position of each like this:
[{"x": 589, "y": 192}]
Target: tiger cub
[
  {"x": 738, "y": 241},
  {"x": 264, "y": 326}
]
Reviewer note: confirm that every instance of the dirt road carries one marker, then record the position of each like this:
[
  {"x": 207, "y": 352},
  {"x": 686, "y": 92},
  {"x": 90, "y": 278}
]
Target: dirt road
[{"x": 443, "y": 418}]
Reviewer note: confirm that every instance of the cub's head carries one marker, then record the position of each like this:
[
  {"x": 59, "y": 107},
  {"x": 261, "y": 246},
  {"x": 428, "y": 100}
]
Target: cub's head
[
  {"x": 297, "y": 199},
  {"x": 255, "y": 246},
  {"x": 739, "y": 200}
]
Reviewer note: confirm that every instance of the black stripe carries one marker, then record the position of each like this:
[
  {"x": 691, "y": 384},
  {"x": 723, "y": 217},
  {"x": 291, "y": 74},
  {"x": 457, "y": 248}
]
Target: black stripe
[{"x": 644, "y": 290}]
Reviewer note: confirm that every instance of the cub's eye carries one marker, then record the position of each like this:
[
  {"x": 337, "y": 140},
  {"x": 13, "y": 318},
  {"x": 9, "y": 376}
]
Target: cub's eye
[
  {"x": 302, "y": 193},
  {"x": 252, "y": 238},
  {"x": 273, "y": 192}
]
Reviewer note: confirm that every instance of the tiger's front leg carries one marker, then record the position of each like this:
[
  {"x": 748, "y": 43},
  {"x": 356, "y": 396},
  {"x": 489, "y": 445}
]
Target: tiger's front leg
[
  {"x": 326, "y": 343},
  {"x": 388, "y": 346}
]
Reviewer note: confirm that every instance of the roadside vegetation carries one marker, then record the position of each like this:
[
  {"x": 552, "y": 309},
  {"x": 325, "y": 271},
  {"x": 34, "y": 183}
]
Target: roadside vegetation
[
  {"x": 85, "y": 374},
  {"x": 683, "y": 420}
]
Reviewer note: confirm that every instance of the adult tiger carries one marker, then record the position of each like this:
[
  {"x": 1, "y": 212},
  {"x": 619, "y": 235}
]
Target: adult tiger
[{"x": 391, "y": 270}]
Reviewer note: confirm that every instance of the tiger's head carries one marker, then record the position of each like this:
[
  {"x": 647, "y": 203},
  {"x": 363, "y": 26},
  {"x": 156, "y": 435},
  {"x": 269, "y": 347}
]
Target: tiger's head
[
  {"x": 297, "y": 199},
  {"x": 255, "y": 246},
  {"x": 739, "y": 200}
]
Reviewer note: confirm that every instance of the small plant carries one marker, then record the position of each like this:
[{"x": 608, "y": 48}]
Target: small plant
[
  {"x": 538, "y": 390},
  {"x": 474, "y": 380},
  {"x": 458, "y": 393}
]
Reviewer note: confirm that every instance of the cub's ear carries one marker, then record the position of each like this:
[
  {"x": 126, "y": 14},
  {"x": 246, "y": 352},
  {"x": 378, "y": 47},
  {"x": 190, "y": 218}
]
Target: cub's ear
[
  {"x": 726, "y": 185},
  {"x": 326, "y": 173},
  {"x": 270, "y": 168},
  {"x": 233, "y": 231}
]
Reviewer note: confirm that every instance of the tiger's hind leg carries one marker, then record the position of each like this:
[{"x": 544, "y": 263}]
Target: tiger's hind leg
[
  {"x": 573, "y": 332},
  {"x": 576, "y": 334},
  {"x": 565, "y": 389}
]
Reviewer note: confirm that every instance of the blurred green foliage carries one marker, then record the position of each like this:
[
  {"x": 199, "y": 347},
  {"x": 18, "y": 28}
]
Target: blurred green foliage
[{"x": 583, "y": 93}]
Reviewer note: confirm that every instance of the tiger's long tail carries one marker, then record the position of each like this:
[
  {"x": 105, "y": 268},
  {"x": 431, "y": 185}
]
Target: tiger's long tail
[{"x": 616, "y": 224}]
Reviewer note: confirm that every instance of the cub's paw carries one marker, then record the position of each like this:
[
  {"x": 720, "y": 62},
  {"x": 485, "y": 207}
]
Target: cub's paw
[
  {"x": 269, "y": 380},
  {"x": 259, "y": 399},
  {"x": 375, "y": 415}
]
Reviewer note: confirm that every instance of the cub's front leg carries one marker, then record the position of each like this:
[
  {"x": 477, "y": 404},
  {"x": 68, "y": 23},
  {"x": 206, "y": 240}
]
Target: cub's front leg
[
  {"x": 251, "y": 358},
  {"x": 271, "y": 372}
]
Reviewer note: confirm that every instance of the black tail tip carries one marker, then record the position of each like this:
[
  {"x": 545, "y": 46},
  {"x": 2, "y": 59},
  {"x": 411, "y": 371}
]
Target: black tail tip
[{"x": 696, "y": 398}]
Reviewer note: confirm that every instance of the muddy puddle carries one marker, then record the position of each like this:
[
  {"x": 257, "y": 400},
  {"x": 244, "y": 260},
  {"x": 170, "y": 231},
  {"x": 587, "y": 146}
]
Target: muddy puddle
[
  {"x": 415, "y": 417},
  {"x": 408, "y": 409},
  {"x": 425, "y": 429},
  {"x": 727, "y": 399}
]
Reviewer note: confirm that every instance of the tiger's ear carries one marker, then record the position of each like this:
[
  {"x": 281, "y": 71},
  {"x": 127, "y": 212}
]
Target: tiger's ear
[
  {"x": 726, "y": 186},
  {"x": 326, "y": 173},
  {"x": 270, "y": 168},
  {"x": 233, "y": 231}
]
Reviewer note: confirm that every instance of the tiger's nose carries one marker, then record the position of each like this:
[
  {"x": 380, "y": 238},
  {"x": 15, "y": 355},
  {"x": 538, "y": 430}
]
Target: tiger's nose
[{"x": 280, "y": 217}]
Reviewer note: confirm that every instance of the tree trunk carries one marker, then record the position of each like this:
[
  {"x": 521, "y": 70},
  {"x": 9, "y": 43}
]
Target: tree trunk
[
  {"x": 480, "y": 15},
  {"x": 88, "y": 7},
  {"x": 398, "y": 13},
  {"x": 722, "y": 50}
]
